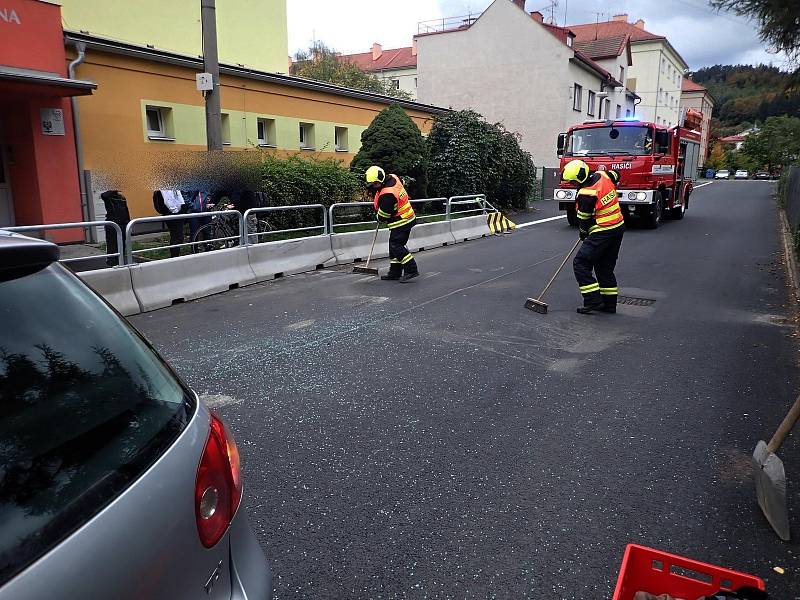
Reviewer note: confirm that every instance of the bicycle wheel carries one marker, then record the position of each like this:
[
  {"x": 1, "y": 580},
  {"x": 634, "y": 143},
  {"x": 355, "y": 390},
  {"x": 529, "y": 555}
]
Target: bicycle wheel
[{"x": 212, "y": 237}]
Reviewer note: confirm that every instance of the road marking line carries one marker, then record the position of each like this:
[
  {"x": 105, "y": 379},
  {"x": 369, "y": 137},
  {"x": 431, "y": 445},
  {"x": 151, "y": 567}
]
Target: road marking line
[
  {"x": 541, "y": 221},
  {"x": 702, "y": 184}
]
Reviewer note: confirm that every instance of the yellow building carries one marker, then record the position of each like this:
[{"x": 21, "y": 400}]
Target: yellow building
[{"x": 146, "y": 109}]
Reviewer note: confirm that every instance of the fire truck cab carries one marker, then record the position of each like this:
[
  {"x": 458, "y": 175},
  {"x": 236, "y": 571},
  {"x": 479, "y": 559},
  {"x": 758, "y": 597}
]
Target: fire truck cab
[{"x": 657, "y": 165}]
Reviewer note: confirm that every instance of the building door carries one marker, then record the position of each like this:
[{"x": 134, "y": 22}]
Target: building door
[{"x": 6, "y": 202}]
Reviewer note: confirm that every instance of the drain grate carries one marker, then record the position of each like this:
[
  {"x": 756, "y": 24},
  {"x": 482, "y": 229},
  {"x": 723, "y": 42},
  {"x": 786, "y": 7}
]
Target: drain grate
[{"x": 633, "y": 301}]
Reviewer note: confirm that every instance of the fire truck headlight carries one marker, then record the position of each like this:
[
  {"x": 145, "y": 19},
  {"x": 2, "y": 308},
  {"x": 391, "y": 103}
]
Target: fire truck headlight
[
  {"x": 631, "y": 195},
  {"x": 562, "y": 194},
  {"x": 641, "y": 195}
]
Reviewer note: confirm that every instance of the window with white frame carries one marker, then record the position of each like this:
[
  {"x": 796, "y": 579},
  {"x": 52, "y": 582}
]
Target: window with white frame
[
  {"x": 307, "y": 136},
  {"x": 266, "y": 132},
  {"x": 395, "y": 84},
  {"x": 158, "y": 121},
  {"x": 607, "y": 108},
  {"x": 226, "y": 129},
  {"x": 340, "y": 139},
  {"x": 619, "y": 111},
  {"x": 577, "y": 96},
  {"x": 590, "y": 104},
  {"x": 621, "y": 74}
]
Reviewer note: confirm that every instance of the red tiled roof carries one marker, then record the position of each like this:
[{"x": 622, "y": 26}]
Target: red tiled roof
[
  {"x": 690, "y": 86},
  {"x": 563, "y": 33},
  {"x": 732, "y": 139},
  {"x": 602, "y": 48},
  {"x": 611, "y": 29},
  {"x": 398, "y": 58}
]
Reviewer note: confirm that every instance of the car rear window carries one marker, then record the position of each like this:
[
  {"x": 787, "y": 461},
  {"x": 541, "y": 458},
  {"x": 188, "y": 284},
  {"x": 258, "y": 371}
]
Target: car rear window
[{"x": 85, "y": 407}]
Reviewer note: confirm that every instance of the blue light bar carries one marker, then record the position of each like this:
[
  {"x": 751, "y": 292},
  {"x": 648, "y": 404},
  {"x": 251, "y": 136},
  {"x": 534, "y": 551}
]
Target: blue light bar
[{"x": 630, "y": 119}]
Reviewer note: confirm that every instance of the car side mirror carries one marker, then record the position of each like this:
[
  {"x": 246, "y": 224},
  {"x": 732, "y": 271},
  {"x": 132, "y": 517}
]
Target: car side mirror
[{"x": 562, "y": 140}]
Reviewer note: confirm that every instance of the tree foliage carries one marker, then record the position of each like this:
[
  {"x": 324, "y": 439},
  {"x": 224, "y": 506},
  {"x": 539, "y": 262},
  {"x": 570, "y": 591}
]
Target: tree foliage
[
  {"x": 749, "y": 93},
  {"x": 322, "y": 63},
  {"x": 394, "y": 142},
  {"x": 469, "y": 156},
  {"x": 777, "y": 143},
  {"x": 778, "y": 21}
]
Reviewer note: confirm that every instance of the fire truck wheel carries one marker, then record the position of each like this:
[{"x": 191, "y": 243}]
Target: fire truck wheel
[
  {"x": 654, "y": 217},
  {"x": 572, "y": 217},
  {"x": 677, "y": 212}
]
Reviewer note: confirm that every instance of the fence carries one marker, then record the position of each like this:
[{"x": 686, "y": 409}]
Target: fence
[
  {"x": 81, "y": 225},
  {"x": 789, "y": 197}
]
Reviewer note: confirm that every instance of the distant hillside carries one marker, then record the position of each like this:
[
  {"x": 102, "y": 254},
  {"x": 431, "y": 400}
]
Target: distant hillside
[{"x": 746, "y": 93}]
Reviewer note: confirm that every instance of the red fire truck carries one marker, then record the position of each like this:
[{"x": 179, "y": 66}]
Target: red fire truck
[{"x": 657, "y": 165}]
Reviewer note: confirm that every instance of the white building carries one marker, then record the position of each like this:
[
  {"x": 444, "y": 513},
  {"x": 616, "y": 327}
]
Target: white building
[
  {"x": 657, "y": 72},
  {"x": 511, "y": 67},
  {"x": 397, "y": 66}
]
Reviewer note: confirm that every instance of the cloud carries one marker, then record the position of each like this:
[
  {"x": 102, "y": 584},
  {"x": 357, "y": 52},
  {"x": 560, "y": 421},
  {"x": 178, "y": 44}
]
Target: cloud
[{"x": 702, "y": 36}]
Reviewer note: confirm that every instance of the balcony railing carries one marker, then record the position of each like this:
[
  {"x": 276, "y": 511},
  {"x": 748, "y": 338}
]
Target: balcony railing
[{"x": 447, "y": 24}]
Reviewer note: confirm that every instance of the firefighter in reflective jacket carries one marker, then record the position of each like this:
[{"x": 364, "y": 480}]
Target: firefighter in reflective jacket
[
  {"x": 601, "y": 227},
  {"x": 394, "y": 207}
]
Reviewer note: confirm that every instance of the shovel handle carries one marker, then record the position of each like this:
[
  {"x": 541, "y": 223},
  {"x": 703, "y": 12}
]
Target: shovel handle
[
  {"x": 371, "y": 248},
  {"x": 786, "y": 426},
  {"x": 553, "y": 278}
]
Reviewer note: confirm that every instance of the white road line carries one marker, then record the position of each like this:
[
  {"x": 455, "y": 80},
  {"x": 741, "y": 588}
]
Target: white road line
[
  {"x": 702, "y": 184},
  {"x": 541, "y": 221}
]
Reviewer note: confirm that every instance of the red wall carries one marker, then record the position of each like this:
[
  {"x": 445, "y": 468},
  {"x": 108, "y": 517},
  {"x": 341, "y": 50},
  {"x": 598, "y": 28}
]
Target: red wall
[{"x": 37, "y": 41}]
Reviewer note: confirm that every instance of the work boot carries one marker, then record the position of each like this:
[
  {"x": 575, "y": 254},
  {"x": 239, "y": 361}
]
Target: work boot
[
  {"x": 609, "y": 308},
  {"x": 409, "y": 276},
  {"x": 391, "y": 276},
  {"x": 590, "y": 308}
]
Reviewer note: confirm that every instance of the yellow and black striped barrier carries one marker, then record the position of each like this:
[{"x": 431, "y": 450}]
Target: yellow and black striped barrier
[{"x": 499, "y": 223}]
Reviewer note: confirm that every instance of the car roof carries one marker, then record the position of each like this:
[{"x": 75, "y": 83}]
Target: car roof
[{"x": 22, "y": 252}]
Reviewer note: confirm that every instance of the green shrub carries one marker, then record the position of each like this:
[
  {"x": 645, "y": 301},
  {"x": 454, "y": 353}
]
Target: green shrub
[
  {"x": 394, "y": 142},
  {"x": 467, "y": 155}
]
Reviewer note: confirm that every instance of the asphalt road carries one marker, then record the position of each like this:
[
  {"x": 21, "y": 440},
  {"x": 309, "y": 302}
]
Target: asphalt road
[{"x": 437, "y": 440}]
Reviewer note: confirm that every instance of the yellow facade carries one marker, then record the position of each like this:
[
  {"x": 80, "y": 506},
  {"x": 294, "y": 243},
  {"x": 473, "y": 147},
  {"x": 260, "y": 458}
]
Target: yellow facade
[
  {"x": 252, "y": 33},
  {"x": 121, "y": 153}
]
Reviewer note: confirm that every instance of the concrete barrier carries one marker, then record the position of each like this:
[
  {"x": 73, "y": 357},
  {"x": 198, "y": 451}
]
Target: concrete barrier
[
  {"x": 469, "y": 228},
  {"x": 275, "y": 259},
  {"x": 161, "y": 283},
  {"x": 350, "y": 247},
  {"x": 116, "y": 286},
  {"x": 430, "y": 235}
]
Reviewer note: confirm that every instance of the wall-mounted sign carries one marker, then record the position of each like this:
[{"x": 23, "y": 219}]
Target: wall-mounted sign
[
  {"x": 10, "y": 16},
  {"x": 52, "y": 121}
]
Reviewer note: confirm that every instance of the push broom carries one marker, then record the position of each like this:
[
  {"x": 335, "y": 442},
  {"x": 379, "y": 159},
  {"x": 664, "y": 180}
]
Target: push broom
[
  {"x": 365, "y": 269},
  {"x": 536, "y": 304}
]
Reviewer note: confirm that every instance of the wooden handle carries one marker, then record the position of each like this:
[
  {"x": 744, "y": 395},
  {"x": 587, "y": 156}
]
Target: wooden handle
[
  {"x": 371, "y": 248},
  {"x": 786, "y": 426},
  {"x": 553, "y": 278}
]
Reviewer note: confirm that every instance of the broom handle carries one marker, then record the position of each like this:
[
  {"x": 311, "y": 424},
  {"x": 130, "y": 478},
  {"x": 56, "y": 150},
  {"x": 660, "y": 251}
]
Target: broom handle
[
  {"x": 374, "y": 237},
  {"x": 553, "y": 278},
  {"x": 786, "y": 426}
]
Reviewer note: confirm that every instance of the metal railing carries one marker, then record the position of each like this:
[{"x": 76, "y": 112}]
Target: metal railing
[
  {"x": 129, "y": 251},
  {"x": 369, "y": 205},
  {"x": 479, "y": 199},
  {"x": 80, "y": 225},
  {"x": 447, "y": 23},
  {"x": 250, "y": 235}
]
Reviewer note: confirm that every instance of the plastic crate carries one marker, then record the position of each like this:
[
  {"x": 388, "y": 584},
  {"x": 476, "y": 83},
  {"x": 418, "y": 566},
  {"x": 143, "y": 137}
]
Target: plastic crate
[{"x": 647, "y": 570}]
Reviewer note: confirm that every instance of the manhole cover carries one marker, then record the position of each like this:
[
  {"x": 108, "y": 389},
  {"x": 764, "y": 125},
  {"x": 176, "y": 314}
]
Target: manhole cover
[{"x": 633, "y": 301}]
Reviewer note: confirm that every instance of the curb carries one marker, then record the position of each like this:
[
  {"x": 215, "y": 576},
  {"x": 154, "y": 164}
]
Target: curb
[{"x": 788, "y": 253}]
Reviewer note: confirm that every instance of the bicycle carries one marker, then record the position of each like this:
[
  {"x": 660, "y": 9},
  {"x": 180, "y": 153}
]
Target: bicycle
[{"x": 223, "y": 231}]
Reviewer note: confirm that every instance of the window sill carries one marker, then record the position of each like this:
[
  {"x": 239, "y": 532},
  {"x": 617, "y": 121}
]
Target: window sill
[
  {"x": 576, "y": 109},
  {"x": 226, "y": 143},
  {"x": 265, "y": 145},
  {"x": 307, "y": 148},
  {"x": 343, "y": 149},
  {"x": 160, "y": 138}
]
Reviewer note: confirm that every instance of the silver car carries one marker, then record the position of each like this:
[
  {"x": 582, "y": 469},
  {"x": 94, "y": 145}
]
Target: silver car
[{"x": 115, "y": 480}]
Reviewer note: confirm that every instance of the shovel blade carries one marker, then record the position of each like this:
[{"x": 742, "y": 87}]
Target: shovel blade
[
  {"x": 770, "y": 478},
  {"x": 365, "y": 270}
]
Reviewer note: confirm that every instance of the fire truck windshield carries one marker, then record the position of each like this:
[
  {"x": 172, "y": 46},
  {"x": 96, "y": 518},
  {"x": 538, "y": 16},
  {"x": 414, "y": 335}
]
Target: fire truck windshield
[{"x": 598, "y": 141}]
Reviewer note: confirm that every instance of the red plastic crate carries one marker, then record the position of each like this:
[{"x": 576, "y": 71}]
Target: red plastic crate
[{"x": 647, "y": 570}]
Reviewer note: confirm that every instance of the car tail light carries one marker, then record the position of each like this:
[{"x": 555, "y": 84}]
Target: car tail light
[{"x": 218, "y": 486}]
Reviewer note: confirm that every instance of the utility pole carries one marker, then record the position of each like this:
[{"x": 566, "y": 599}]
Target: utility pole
[{"x": 208, "y": 18}]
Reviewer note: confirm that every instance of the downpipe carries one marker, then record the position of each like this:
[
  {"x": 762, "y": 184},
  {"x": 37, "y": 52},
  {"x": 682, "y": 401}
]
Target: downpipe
[{"x": 87, "y": 207}]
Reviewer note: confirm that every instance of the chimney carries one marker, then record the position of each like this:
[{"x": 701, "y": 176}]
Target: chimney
[
  {"x": 520, "y": 3},
  {"x": 376, "y": 51},
  {"x": 623, "y": 18},
  {"x": 414, "y": 47},
  {"x": 537, "y": 16},
  {"x": 639, "y": 24}
]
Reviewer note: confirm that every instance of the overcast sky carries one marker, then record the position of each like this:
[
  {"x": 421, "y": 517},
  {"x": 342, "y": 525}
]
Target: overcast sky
[{"x": 702, "y": 36}]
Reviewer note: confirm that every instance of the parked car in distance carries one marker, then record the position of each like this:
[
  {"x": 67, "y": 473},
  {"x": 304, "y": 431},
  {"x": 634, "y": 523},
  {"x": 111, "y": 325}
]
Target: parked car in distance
[
  {"x": 722, "y": 174},
  {"x": 762, "y": 175},
  {"x": 741, "y": 174},
  {"x": 116, "y": 481}
]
